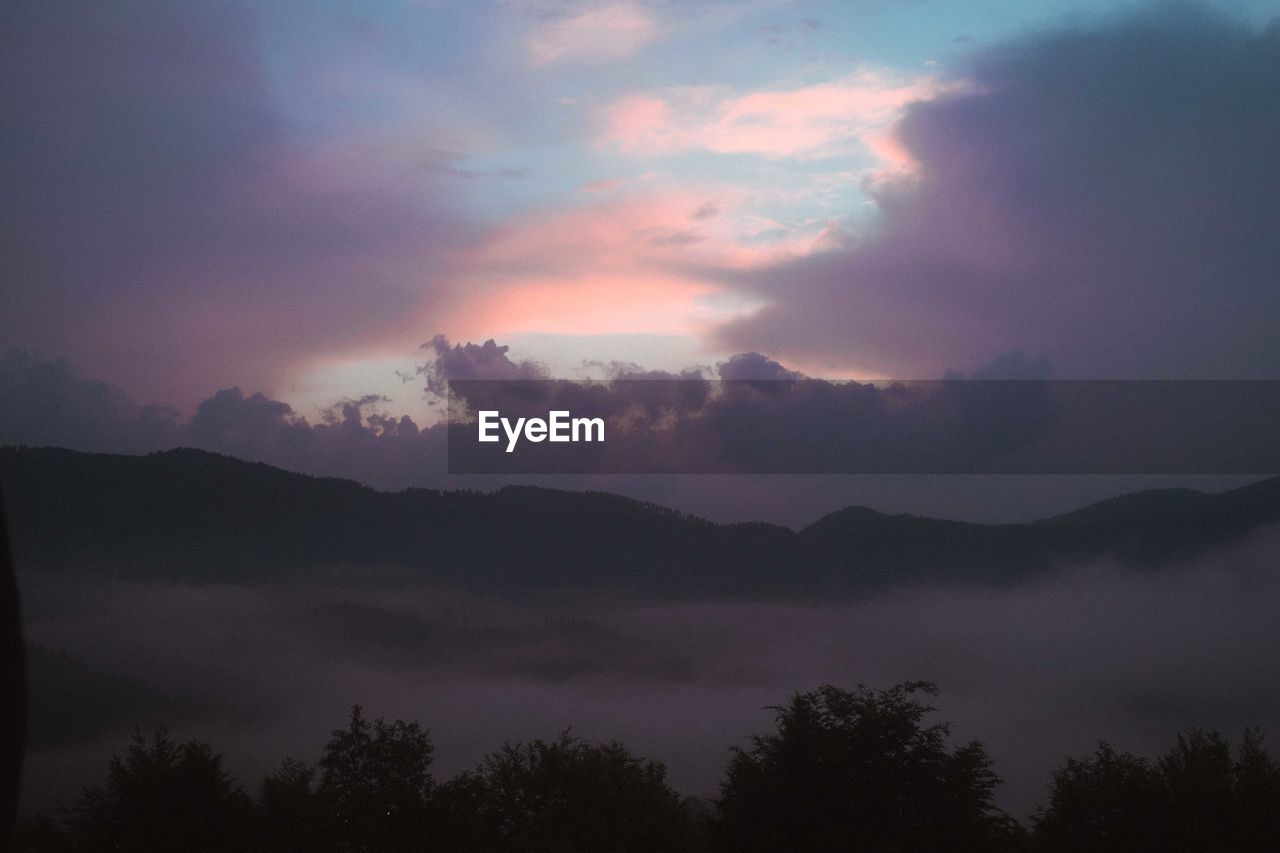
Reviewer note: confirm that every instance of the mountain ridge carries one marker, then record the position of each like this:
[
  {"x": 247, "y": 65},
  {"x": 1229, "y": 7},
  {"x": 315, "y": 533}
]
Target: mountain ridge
[{"x": 194, "y": 515}]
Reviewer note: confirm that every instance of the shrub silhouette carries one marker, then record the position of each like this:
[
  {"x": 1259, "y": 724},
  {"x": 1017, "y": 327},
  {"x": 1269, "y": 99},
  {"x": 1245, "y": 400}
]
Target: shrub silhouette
[{"x": 859, "y": 770}]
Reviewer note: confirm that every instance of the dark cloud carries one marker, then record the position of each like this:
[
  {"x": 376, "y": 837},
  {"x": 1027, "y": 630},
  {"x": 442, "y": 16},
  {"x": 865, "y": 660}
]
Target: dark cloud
[
  {"x": 1109, "y": 196},
  {"x": 353, "y": 439},
  {"x": 247, "y": 426},
  {"x": 754, "y": 366},
  {"x": 706, "y": 210},
  {"x": 485, "y": 364},
  {"x": 162, "y": 220},
  {"x": 45, "y": 401},
  {"x": 472, "y": 361}
]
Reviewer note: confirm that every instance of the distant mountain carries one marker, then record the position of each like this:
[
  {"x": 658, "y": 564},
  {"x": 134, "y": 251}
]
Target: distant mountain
[{"x": 192, "y": 515}]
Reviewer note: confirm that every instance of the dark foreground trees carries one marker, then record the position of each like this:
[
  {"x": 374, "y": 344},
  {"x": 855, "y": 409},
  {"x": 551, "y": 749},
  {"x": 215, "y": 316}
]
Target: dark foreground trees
[
  {"x": 163, "y": 796},
  {"x": 375, "y": 784},
  {"x": 1198, "y": 798},
  {"x": 371, "y": 791},
  {"x": 566, "y": 796},
  {"x": 842, "y": 770},
  {"x": 860, "y": 770}
]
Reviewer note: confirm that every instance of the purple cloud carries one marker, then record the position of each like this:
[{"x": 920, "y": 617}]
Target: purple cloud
[
  {"x": 162, "y": 218},
  {"x": 1108, "y": 196},
  {"x": 472, "y": 361}
]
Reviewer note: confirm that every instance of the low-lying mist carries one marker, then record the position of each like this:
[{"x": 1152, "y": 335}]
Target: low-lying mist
[{"x": 1036, "y": 671}]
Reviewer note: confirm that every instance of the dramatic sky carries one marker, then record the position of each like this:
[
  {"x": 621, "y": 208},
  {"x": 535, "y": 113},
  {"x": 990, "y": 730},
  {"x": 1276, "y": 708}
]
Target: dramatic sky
[
  {"x": 266, "y": 227},
  {"x": 206, "y": 202}
]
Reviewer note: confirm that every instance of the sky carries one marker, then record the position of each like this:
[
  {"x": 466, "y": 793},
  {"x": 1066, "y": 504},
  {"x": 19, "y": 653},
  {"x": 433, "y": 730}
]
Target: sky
[
  {"x": 295, "y": 200},
  {"x": 268, "y": 227}
]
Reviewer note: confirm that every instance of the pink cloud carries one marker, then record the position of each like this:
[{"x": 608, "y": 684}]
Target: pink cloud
[
  {"x": 604, "y": 34},
  {"x": 635, "y": 263},
  {"x": 812, "y": 121},
  {"x": 589, "y": 305}
]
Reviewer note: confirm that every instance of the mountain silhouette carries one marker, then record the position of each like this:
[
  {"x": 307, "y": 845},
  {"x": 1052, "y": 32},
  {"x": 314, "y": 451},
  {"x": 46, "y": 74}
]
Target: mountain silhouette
[{"x": 193, "y": 515}]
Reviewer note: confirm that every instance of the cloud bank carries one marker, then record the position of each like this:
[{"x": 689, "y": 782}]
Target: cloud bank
[{"x": 1109, "y": 195}]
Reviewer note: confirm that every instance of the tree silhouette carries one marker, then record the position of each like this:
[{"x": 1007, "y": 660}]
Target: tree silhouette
[
  {"x": 1199, "y": 786},
  {"x": 1197, "y": 798},
  {"x": 844, "y": 771},
  {"x": 292, "y": 817},
  {"x": 859, "y": 770},
  {"x": 1109, "y": 802},
  {"x": 565, "y": 796},
  {"x": 1217, "y": 802},
  {"x": 374, "y": 784},
  {"x": 1257, "y": 787},
  {"x": 163, "y": 797}
]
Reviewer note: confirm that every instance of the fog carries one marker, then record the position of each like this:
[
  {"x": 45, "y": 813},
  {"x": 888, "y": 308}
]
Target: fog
[{"x": 1036, "y": 671}]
